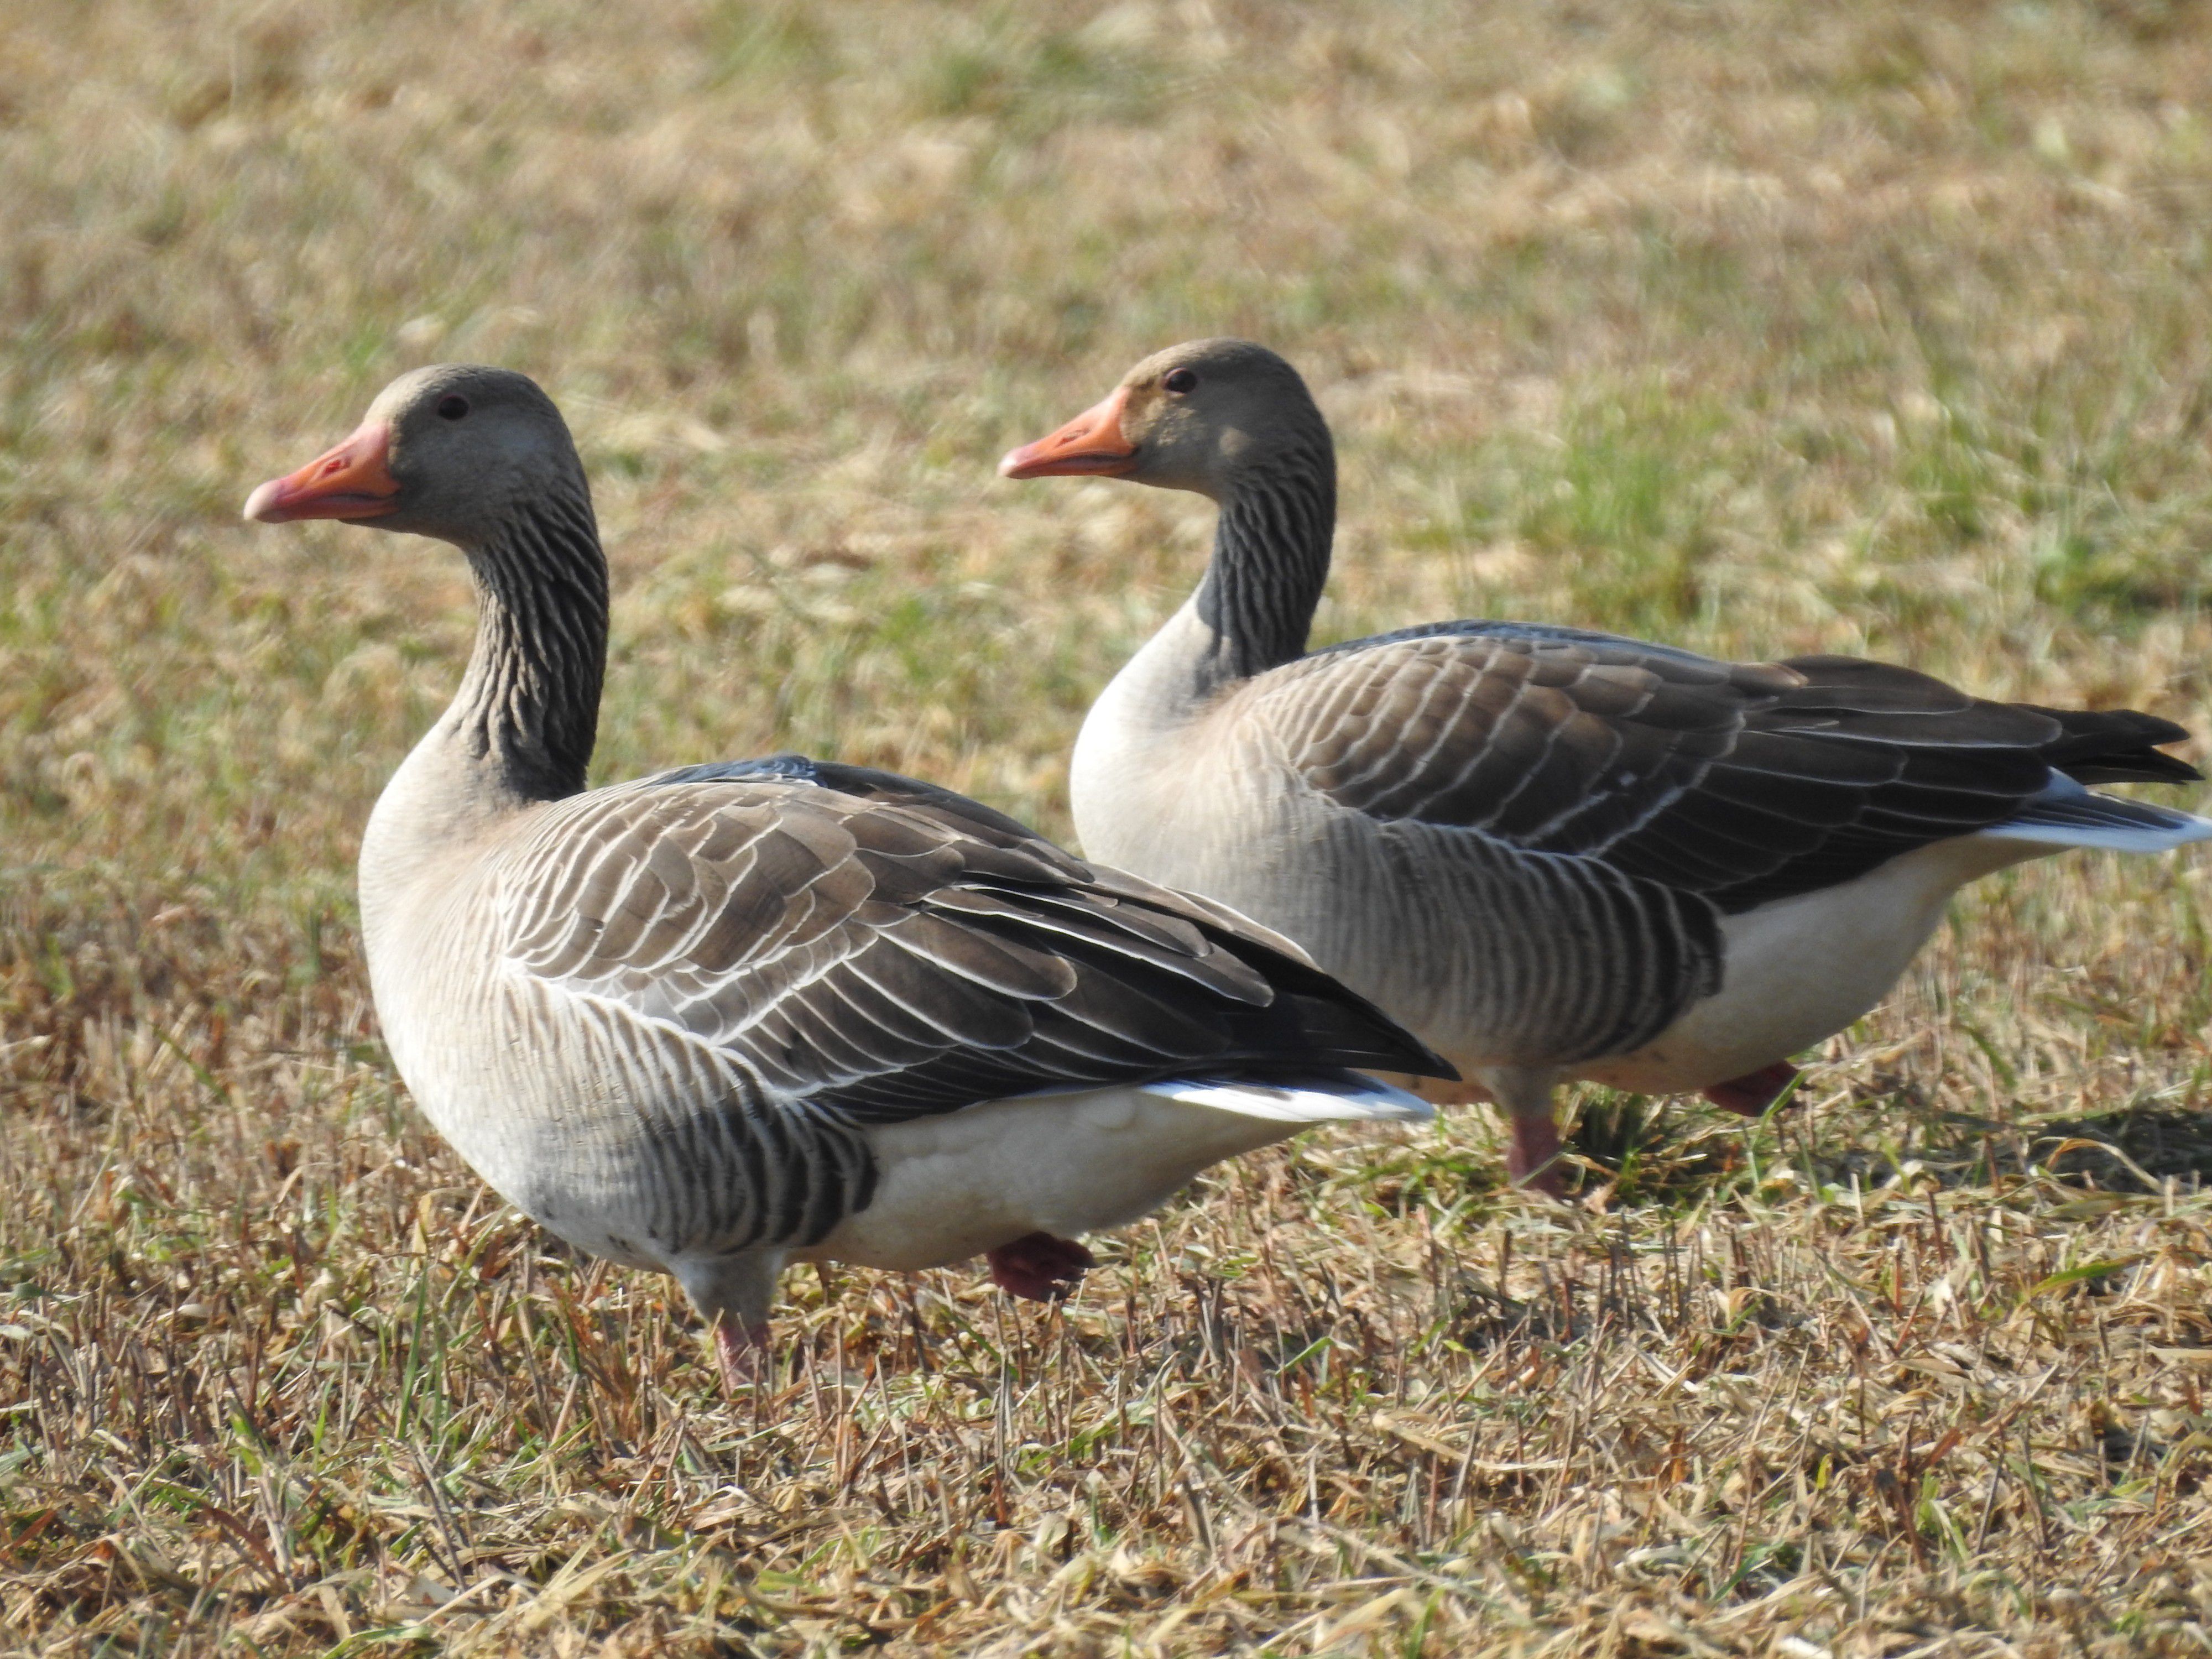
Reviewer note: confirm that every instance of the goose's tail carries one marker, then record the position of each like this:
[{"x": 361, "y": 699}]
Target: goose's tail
[
  {"x": 2068, "y": 815},
  {"x": 1327, "y": 1096}
]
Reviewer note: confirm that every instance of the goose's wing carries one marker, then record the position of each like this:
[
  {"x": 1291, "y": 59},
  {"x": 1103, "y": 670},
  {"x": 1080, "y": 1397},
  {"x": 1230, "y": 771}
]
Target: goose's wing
[
  {"x": 886, "y": 950},
  {"x": 1743, "y": 782}
]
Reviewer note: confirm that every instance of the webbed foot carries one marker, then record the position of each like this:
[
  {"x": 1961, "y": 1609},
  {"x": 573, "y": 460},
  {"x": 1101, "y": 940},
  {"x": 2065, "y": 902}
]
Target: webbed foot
[
  {"x": 1750, "y": 1095},
  {"x": 1040, "y": 1266}
]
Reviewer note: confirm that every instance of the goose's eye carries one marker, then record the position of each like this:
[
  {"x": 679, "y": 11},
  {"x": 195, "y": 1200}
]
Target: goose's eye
[
  {"x": 453, "y": 406},
  {"x": 1179, "y": 381}
]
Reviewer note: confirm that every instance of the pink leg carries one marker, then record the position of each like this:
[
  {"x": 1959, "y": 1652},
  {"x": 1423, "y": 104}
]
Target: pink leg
[
  {"x": 1532, "y": 1161},
  {"x": 743, "y": 1352},
  {"x": 1040, "y": 1266},
  {"x": 1750, "y": 1095},
  {"x": 1524, "y": 1093}
]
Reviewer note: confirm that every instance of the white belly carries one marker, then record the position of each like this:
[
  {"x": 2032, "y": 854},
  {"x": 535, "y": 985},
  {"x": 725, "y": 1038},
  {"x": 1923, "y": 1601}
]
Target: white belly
[
  {"x": 952, "y": 1187},
  {"x": 1799, "y": 970}
]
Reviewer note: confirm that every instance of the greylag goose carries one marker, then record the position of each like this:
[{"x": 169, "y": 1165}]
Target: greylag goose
[
  {"x": 1551, "y": 854},
  {"x": 777, "y": 1010}
]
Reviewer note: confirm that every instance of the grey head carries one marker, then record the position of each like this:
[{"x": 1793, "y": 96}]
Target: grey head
[
  {"x": 455, "y": 451},
  {"x": 1202, "y": 415}
]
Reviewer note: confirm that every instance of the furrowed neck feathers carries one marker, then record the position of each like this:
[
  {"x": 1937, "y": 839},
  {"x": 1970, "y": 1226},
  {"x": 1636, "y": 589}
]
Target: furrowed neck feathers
[
  {"x": 528, "y": 706},
  {"x": 1271, "y": 548}
]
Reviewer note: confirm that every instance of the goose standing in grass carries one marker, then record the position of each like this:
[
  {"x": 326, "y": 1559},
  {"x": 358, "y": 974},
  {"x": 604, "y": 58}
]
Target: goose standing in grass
[
  {"x": 778, "y": 1010},
  {"x": 1552, "y": 853}
]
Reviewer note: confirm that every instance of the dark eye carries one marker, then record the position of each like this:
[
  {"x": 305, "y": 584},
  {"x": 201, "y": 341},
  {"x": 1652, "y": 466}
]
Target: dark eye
[
  {"x": 453, "y": 406},
  {"x": 1179, "y": 380}
]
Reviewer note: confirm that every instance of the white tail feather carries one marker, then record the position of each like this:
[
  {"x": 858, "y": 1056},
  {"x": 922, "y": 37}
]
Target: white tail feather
[
  {"x": 1332, "y": 1097},
  {"x": 2068, "y": 815}
]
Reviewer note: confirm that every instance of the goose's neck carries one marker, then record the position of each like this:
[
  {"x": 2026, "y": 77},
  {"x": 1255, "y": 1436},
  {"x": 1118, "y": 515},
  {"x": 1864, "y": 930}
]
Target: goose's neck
[
  {"x": 518, "y": 731},
  {"x": 528, "y": 706},
  {"x": 1126, "y": 780},
  {"x": 1270, "y": 561}
]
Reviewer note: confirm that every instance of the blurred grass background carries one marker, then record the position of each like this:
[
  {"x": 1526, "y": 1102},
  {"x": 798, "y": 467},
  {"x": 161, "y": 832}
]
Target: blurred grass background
[{"x": 1761, "y": 328}]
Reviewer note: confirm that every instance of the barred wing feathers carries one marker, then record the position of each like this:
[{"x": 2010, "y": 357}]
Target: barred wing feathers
[
  {"x": 1740, "y": 782},
  {"x": 873, "y": 946}
]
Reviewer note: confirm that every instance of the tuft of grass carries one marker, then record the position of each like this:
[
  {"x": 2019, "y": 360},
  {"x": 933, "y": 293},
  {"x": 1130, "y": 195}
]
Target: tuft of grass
[{"x": 1761, "y": 328}]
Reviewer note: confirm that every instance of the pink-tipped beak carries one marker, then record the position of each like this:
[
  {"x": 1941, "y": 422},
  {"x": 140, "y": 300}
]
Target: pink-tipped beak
[
  {"x": 1091, "y": 444},
  {"x": 352, "y": 481}
]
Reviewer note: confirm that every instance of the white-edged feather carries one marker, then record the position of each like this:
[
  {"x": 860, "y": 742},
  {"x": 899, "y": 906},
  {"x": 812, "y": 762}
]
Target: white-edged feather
[
  {"x": 1349, "y": 1096},
  {"x": 2068, "y": 814}
]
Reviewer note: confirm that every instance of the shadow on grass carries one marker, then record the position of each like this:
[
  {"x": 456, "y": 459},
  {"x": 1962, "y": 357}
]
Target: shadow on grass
[
  {"x": 2137, "y": 1149},
  {"x": 1651, "y": 1152}
]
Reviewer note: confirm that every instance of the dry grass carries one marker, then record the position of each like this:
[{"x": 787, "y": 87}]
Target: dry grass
[{"x": 1763, "y": 327}]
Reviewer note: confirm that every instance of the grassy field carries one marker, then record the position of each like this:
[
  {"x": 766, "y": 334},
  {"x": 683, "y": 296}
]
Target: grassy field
[{"x": 1763, "y": 328}]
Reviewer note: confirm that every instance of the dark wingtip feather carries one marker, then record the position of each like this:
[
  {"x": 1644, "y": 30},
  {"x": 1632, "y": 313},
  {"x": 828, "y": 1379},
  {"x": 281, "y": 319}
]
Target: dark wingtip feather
[
  {"x": 2137, "y": 766},
  {"x": 1345, "y": 1027},
  {"x": 2118, "y": 745}
]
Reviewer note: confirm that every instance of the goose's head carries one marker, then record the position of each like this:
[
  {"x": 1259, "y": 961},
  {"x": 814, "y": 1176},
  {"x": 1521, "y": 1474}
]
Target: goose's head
[
  {"x": 452, "y": 450},
  {"x": 1198, "y": 417}
]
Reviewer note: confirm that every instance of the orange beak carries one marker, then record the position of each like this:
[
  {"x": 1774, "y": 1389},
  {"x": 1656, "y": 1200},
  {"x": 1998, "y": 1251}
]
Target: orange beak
[
  {"x": 1092, "y": 443},
  {"x": 352, "y": 481}
]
